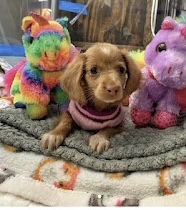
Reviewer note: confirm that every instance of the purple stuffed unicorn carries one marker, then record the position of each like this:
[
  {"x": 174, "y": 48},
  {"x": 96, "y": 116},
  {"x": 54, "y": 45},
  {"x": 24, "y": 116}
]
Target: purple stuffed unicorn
[{"x": 162, "y": 95}]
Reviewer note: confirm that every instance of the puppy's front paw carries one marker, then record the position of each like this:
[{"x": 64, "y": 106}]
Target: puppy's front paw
[
  {"x": 50, "y": 141},
  {"x": 99, "y": 143}
]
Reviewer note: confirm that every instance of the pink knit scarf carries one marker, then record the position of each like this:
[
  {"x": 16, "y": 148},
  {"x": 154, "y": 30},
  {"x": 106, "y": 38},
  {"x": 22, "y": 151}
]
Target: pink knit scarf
[{"x": 90, "y": 119}]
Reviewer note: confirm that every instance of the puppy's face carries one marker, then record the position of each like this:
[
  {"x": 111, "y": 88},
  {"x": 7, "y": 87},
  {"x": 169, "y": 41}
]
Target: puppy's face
[
  {"x": 103, "y": 75},
  {"x": 106, "y": 73}
]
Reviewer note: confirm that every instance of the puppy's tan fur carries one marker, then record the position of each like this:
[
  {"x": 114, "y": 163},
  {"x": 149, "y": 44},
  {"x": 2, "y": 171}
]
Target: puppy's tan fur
[{"x": 97, "y": 77}]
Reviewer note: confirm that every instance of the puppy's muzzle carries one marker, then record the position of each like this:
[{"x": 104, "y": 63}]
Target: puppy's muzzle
[{"x": 113, "y": 89}]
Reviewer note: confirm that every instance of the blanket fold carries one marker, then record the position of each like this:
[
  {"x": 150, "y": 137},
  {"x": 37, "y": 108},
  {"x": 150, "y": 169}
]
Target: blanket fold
[{"x": 133, "y": 150}]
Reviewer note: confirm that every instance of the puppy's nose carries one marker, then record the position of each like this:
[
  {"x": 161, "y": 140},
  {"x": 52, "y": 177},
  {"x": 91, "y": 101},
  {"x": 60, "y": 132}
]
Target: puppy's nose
[{"x": 113, "y": 89}]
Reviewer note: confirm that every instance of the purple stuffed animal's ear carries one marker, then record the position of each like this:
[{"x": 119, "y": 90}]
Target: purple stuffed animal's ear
[{"x": 168, "y": 24}]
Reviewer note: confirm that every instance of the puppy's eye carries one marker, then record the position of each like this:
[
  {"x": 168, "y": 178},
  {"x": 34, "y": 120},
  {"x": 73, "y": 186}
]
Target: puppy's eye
[
  {"x": 161, "y": 47},
  {"x": 122, "y": 70},
  {"x": 93, "y": 71}
]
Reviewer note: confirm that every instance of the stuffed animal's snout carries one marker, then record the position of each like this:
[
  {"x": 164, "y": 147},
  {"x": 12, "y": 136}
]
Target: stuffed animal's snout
[
  {"x": 175, "y": 76},
  {"x": 50, "y": 54},
  {"x": 176, "y": 73},
  {"x": 54, "y": 59}
]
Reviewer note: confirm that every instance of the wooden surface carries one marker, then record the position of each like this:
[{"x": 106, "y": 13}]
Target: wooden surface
[{"x": 122, "y": 22}]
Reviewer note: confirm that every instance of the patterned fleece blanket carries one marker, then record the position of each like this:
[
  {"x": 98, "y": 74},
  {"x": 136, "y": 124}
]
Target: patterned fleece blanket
[{"x": 51, "y": 181}]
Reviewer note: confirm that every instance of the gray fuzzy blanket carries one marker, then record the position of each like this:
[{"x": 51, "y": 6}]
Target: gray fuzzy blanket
[{"x": 133, "y": 150}]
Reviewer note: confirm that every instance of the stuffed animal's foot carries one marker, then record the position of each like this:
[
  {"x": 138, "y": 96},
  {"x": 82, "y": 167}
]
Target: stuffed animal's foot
[
  {"x": 140, "y": 117},
  {"x": 18, "y": 101},
  {"x": 164, "y": 120},
  {"x": 19, "y": 105},
  {"x": 36, "y": 111}
]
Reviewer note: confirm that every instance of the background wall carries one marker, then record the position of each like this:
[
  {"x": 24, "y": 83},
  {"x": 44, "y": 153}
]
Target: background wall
[
  {"x": 11, "y": 14},
  {"x": 122, "y": 22}
]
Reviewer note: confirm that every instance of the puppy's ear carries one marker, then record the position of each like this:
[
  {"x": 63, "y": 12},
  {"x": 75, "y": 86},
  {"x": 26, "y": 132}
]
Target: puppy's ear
[
  {"x": 134, "y": 73},
  {"x": 71, "y": 79}
]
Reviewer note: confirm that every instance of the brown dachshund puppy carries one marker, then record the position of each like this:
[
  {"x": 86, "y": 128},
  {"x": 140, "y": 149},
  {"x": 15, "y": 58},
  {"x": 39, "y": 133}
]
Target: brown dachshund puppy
[{"x": 96, "y": 81}]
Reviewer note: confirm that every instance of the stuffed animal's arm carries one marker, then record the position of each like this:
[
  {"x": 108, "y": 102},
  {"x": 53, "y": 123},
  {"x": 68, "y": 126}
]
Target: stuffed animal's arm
[
  {"x": 59, "y": 95},
  {"x": 152, "y": 91},
  {"x": 32, "y": 89},
  {"x": 15, "y": 84},
  {"x": 169, "y": 103},
  {"x": 140, "y": 99}
]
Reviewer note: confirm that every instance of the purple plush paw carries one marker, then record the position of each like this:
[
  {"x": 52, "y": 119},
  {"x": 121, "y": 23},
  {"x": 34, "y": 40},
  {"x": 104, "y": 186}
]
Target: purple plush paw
[
  {"x": 164, "y": 120},
  {"x": 140, "y": 117}
]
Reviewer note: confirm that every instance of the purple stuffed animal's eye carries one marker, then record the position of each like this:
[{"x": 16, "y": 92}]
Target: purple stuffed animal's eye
[{"x": 161, "y": 47}]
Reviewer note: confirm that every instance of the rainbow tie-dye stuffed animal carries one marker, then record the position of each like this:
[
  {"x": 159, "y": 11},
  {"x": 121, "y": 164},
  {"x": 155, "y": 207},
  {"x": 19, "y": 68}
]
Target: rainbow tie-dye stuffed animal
[{"x": 35, "y": 80}]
